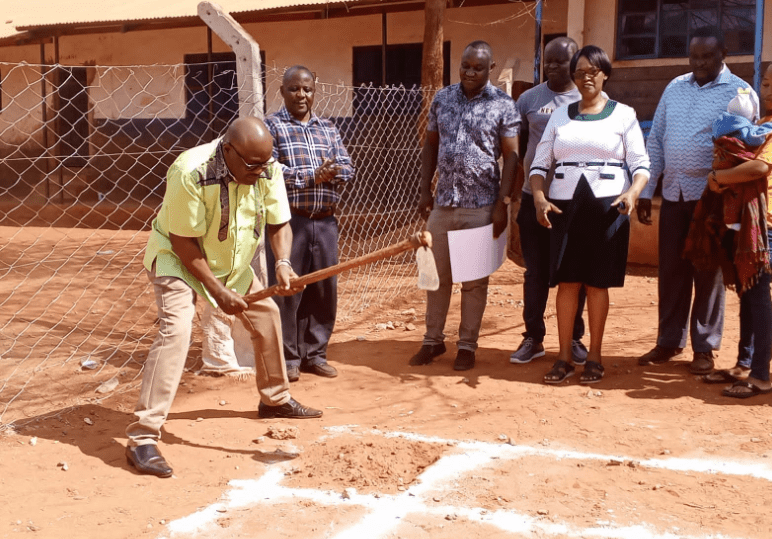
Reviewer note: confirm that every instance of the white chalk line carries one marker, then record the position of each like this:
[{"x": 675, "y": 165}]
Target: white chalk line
[
  {"x": 388, "y": 512},
  {"x": 675, "y": 464}
]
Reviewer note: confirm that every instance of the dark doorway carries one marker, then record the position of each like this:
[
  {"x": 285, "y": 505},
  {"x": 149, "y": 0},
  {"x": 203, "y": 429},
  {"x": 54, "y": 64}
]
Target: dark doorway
[
  {"x": 72, "y": 120},
  {"x": 403, "y": 68}
]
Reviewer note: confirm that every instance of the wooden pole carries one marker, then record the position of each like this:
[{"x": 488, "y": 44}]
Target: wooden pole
[{"x": 431, "y": 61}]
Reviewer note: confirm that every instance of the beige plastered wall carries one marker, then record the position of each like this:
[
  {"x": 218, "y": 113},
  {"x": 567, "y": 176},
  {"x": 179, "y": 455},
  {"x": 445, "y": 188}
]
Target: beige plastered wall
[{"x": 139, "y": 74}]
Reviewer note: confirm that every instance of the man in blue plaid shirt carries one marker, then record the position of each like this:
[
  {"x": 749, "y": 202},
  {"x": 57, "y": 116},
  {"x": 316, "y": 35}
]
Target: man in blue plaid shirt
[{"x": 314, "y": 161}]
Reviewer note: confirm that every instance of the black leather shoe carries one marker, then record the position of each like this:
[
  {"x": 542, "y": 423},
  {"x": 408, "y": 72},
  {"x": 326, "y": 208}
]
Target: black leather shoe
[
  {"x": 148, "y": 460},
  {"x": 321, "y": 369},
  {"x": 427, "y": 353},
  {"x": 291, "y": 409},
  {"x": 464, "y": 360},
  {"x": 293, "y": 374}
]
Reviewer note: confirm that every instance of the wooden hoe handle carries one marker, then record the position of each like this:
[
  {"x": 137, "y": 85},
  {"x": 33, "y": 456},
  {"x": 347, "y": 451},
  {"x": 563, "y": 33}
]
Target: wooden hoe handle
[{"x": 413, "y": 242}]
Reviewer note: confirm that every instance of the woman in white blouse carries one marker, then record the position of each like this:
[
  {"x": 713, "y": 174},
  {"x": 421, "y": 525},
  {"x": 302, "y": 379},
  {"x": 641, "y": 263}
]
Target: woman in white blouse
[{"x": 590, "y": 143}]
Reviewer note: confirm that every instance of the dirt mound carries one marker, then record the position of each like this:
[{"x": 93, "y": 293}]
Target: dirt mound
[{"x": 384, "y": 465}]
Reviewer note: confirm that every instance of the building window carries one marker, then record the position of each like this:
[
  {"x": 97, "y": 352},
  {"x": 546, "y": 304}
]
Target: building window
[
  {"x": 663, "y": 28},
  {"x": 403, "y": 69},
  {"x": 211, "y": 88}
]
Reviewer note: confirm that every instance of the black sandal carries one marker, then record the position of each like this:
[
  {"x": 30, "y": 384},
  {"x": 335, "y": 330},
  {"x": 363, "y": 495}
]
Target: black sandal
[
  {"x": 749, "y": 390},
  {"x": 560, "y": 371},
  {"x": 720, "y": 377},
  {"x": 593, "y": 373}
]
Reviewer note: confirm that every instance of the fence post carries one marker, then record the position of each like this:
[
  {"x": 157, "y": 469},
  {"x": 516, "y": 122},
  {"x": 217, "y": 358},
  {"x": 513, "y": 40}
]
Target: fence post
[
  {"x": 250, "y": 86},
  {"x": 247, "y": 56}
]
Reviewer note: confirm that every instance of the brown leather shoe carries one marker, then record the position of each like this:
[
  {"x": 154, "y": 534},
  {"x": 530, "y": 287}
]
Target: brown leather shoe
[
  {"x": 320, "y": 369},
  {"x": 291, "y": 409},
  {"x": 148, "y": 460},
  {"x": 702, "y": 363}
]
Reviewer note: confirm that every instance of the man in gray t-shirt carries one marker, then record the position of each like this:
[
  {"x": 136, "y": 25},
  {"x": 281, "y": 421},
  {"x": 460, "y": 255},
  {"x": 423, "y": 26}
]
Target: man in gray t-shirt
[{"x": 535, "y": 107}]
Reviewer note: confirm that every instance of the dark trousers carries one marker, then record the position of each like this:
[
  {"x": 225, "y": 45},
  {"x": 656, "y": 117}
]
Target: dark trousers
[
  {"x": 308, "y": 318},
  {"x": 756, "y": 326},
  {"x": 535, "y": 245},
  {"x": 677, "y": 276}
]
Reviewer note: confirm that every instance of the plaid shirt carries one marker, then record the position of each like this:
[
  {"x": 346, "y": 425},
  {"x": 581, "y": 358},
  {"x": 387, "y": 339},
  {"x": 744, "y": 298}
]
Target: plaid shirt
[{"x": 300, "y": 149}]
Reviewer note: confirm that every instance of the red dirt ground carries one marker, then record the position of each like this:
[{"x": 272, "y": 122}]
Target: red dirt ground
[{"x": 213, "y": 436}]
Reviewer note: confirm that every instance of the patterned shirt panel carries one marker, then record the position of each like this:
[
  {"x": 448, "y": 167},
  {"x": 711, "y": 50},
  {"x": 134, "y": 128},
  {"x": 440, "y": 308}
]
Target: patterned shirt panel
[
  {"x": 301, "y": 148},
  {"x": 470, "y": 144},
  {"x": 680, "y": 143},
  {"x": 203, "y": 201}
]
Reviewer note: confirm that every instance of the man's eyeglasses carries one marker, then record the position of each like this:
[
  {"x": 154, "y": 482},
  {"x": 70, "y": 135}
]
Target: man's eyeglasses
[
  {"x": 591, "y": 73},
  {"x": 252, "y": 166}
]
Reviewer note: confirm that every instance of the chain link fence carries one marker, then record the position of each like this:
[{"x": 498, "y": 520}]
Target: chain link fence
[{"x": 83, "y": 157}]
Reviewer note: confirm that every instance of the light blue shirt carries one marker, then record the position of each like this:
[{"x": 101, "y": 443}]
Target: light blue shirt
[{"x": 680, "y": 144}]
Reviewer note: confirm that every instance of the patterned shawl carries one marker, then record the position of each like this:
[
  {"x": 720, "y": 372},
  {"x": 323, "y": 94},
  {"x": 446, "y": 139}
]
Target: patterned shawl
[{"x": 743, "y": 255}]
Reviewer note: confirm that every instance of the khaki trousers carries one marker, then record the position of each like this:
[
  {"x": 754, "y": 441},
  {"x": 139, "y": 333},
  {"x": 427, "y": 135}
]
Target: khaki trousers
[
  {"x": 176, "y": 303},
  {"x": 474, "y": 294}
]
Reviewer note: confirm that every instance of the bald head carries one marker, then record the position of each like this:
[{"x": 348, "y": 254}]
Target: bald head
[
  {"x": 247, "y": 131},
  {"x": 298, "y": 88},
  {"x": 481, "y": 46},
  {"x": 557, "y": 60},
  {"x": 295, "y": 70},
  {"x": 247, "y": 146},
  {"x": 565, "y": 43}
]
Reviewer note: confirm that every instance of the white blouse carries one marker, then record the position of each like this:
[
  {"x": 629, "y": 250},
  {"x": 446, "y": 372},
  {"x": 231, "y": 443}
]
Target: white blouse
[{"x": 596, "y": 145}]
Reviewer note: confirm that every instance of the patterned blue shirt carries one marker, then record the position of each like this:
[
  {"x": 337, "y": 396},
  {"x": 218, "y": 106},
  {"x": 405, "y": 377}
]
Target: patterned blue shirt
[
  {"x": 470, "y": 144},
  {"x": 680, "y": 142},
  {"x": 300, "y": 149}
]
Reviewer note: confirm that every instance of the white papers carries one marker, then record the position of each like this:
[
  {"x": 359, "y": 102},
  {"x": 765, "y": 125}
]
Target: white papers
[{"x": 474, "y": 253}]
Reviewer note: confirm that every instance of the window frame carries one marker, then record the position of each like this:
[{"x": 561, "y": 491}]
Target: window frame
[{"x": 720, "y": 8}]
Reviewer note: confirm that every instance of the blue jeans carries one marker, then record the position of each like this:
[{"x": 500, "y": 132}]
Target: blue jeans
[
  {"x": 756, "y": 327},
  {"x": 535, "y": 244}
]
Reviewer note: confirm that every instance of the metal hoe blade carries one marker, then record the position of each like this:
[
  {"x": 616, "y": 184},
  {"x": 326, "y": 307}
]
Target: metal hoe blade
[{"x": 427, "y": 269}]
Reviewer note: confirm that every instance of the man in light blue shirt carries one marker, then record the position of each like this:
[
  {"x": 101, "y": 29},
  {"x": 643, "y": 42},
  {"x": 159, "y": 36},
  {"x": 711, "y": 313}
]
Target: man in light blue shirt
[{"x": 681, "y": 148}]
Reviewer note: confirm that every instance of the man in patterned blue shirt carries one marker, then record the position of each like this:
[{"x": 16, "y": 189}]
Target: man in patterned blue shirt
[
  {"x": 314, "y": 161},
  {"x": 471, "y": 124},
  {"x": 681, "y": 148}
]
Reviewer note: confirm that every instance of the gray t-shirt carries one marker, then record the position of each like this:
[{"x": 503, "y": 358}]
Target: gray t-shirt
[{"x": 535, "y": 107}]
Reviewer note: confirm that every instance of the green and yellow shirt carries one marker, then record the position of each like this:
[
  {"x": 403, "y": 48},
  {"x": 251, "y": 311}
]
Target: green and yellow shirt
[{"x": 203, "y": 201}]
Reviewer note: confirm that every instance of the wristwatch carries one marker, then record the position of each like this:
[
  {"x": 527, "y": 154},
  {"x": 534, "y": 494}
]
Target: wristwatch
[{"x": 506, "y": 200}]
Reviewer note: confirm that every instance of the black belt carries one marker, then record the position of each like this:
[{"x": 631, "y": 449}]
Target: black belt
[
  {"x": 323, "y": 214},
  {"x": 589, "y": 164}
]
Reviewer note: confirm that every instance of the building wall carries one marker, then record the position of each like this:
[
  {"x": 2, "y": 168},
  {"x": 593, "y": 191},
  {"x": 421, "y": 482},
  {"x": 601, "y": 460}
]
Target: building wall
[{"x": 156, "y": 90}]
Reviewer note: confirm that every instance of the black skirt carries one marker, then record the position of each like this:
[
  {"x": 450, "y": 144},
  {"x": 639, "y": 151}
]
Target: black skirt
[{"x": 588, "y": 241}]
